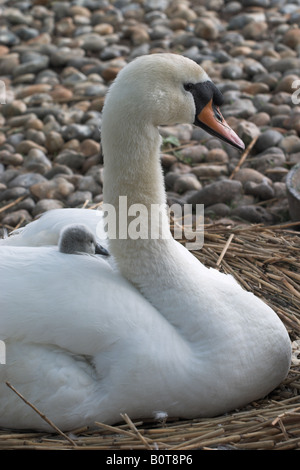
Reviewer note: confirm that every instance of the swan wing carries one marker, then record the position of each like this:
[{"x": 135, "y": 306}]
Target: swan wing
[
  {"x": 46, "y": 229},
  {"x": 77, "y": 302}
]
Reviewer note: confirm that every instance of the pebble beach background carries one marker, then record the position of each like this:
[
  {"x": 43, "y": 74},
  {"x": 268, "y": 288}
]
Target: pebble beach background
[{"x": 58, "y": 58}]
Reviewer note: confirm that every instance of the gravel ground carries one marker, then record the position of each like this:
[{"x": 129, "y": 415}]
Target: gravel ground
[{"x": 58, "y": 58}]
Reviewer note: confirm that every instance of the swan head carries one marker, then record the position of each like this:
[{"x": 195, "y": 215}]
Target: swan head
[
  {"x": 77, "y": 238},
  {"x": 169, "y": 89}
]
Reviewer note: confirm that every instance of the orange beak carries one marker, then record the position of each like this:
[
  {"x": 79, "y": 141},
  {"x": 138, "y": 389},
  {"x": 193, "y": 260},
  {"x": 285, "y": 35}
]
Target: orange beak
[{"x": 211, "y": 120}]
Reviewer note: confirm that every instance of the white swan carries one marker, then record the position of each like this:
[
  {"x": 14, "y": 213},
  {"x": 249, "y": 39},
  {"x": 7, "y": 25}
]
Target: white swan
[
  {"x": 85, "y": 341},
  {"x": 78, "y": 238}
]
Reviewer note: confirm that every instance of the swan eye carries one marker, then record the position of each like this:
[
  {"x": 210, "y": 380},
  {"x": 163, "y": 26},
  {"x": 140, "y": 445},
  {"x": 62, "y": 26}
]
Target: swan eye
[{"x": 188, "y": 86}]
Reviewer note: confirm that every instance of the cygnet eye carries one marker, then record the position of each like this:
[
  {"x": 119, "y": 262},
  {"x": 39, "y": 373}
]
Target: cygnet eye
[{"x": 188, "y": 86}]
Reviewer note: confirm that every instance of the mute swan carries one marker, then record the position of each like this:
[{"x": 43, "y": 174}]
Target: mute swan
[
  {"x": 77, "y": 238},
  {"x": 86, "y": 341}
]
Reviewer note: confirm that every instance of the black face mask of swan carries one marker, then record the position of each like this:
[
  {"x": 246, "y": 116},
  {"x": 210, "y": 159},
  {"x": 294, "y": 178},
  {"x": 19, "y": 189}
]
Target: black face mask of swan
[{"x": 208, "y": 115}]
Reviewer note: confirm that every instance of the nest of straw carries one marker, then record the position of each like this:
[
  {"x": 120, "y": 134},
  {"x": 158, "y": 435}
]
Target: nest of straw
[{"x": 265, "y": 261}]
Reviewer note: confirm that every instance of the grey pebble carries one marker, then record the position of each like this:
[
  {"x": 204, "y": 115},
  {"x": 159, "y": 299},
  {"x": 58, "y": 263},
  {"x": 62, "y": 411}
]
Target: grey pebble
[
  {"x": 253, "y": 214},
  {"x": 26, "y": 180},
  {"x": 267, "y": 139},
  {"x": 76, "y": 131},
  {"x": 219, "y": 191},
  {"x": 49, "y": 149},
  {"x": 70, "y": 158}
]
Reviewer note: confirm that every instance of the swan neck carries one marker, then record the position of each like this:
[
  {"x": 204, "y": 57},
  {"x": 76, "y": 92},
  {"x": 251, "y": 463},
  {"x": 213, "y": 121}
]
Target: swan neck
[{"x": 133, "y": 179}]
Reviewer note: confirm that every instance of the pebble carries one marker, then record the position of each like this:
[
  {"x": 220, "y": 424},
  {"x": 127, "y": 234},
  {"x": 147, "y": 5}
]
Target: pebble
[
  {"x": 263, "y": 191},
  {"x": 76, "y": 131},
  {"x": 12, "y": 193},
  {"x": 37, "y": 161},
  {"x": 14, "y": 218},
  {"x": 247, "y": 131},
  {"x": 210, "y": 171},
  {"x": 58, "y": 188},
  {"x": 206, "y": 28},
  {"x": 219, "y": 209},
  {"x": 270, "y": 158},
  {"x": 26, "y": 180},
  {"x": 8, "y": 158},
  {"x": 58, "y": 59},
  {"x": 78, "y": 198},
  {"x": 70, "y": 158},
  {"x": 219, "y": 191},
  {"x": 232, "y": 72},
  {"x": 44, "y": 205},
  {"x": 253, "y": 214},
  {"x": 269, "y": 138},
  {"x": 217, "y": 155},
  {"x": 53, "y": 142},
  {"x": 290, "y": 144},
  {"x": 242, "y": 109},
  {"x": 186, "y": 182},
  {"x": 245, "y": 175}
]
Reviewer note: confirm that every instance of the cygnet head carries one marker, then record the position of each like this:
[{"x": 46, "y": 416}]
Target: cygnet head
[
  {"x": 168, "y": 89},
  {"x": 77, "y": 238}
]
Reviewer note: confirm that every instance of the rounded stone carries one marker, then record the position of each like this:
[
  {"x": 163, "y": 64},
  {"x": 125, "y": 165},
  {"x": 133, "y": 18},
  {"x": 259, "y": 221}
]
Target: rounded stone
[
  {"x": 267, "y": 139},
  {"x": 37, "y": 161},
  {"x": 89, "y": 147},
  {"x": 217, "y": 155},
  {"x": 8, "y": 158},
  {"x": 249, "y": 174},
  {"x": 45, "y": 205},
  {"x": 247, "y": 131},
  {"x": 262, "y": 191},
  {"x": 290, "y": 144},
  {"x": 260, "y": 119},
  {"x": 26, "y": 180},
  {"x": 58, "y": 188},
  {"x": 206, "y": 28},
  {"x": 255, "y": 30},
  {"x": 186, "y": 182},
  {"x": 13, "y": 193},
  {"x": 292, "y": 38},
  {"x": 232, "y": 71},
  {"x": 253, "y": 214},
  {"x": 15, "y": 108},
  {"x": 219, "y": 209},
  {"x": 76, "y": 131},
  {"x": 219, "y": 191},
  {"x": 209, "y": 171},
  {"x": 14, "y": 218},
  {"x": 78, "y": 198},
  {"x": 54, "y": 142},
  {"x": 71, "y": 158}
]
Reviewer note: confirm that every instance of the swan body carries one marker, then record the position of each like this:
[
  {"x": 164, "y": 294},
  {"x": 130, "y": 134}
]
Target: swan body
[{"x": 154, "y": 331}]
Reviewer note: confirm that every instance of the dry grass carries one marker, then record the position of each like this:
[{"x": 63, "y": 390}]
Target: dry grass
[{"x": 266, "y": 261}]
